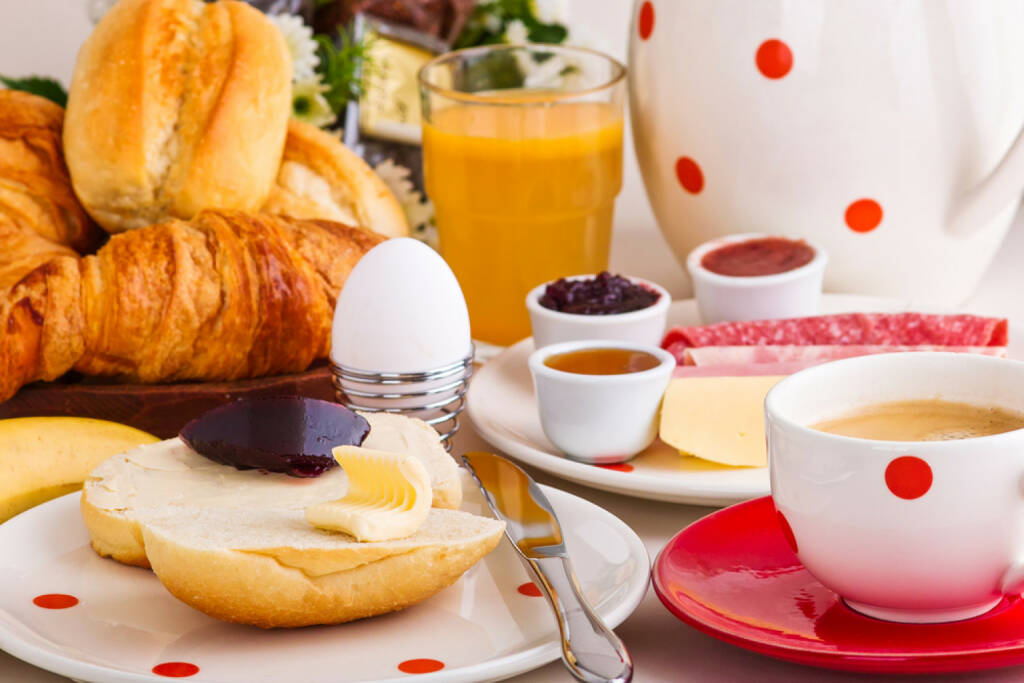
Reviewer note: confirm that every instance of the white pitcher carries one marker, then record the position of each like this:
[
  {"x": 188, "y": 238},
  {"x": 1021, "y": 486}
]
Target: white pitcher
[{"x": 889, "y": 131}]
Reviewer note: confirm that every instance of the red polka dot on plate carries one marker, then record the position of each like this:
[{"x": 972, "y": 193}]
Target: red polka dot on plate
[
  {"x": 529, "y": 589},
  {"x": 689, "y": 175},
  {"x": 863, "y": 215},
  {"x": 420, "y": 666},
  {"x": 774, "y": 58},
  {"x": 619, "y": 467},
  {"x": 787, "y": 532},
  {"x": 176, "y": 669},
  {"x": 645, "y": 22},
  {"x": 55, "y": 601},
  {"x": 908, "y": 477}
]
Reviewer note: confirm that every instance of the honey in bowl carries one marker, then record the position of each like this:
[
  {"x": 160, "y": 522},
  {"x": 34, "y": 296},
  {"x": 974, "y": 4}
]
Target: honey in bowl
[{"x": 608, "y": 361}]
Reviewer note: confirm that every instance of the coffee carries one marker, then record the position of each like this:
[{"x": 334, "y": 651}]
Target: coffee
[{"x": 923, "y": 420}]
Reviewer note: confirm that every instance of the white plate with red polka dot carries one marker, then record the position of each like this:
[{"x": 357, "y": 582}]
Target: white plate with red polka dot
[
  {"x": 503, "y": 408},
  {"x": 64, "y": 609}
]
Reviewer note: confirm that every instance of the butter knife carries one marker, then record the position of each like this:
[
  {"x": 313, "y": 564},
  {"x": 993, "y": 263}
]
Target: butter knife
[{"x": 590, "y": 650}]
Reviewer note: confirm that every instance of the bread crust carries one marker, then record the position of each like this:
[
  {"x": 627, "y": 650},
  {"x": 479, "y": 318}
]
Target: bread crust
[
  {"x": 254, "y": 589},
  {"x": 176, "y": 106},
  {"x": 322, "y": 178}
]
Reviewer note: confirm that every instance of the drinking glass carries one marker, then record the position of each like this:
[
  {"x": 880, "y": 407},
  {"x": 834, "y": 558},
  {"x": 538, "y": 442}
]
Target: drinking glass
[{"x": 522, "y": 157}]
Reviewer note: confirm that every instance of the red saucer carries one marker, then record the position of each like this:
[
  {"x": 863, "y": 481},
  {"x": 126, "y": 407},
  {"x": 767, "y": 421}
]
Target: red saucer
[{"x": 732, "y": 576}]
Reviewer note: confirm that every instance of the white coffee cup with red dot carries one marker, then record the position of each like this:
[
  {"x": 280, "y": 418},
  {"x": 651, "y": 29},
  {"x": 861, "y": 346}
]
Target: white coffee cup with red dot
[{"x": 906, "y": 531}]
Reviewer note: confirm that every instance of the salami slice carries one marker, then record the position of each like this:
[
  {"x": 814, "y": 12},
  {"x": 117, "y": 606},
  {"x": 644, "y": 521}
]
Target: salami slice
[
  {"x": 864, "y": 329},
  {"x": 709, "y": 356}
]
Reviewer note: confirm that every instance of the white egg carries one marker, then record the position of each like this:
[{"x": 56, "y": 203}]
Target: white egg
[{"x": 401, "y": 310}]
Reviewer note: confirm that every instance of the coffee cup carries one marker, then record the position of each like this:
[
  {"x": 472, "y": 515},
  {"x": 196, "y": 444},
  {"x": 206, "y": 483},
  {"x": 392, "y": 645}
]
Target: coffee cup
[{"x": 906, "y": 531}]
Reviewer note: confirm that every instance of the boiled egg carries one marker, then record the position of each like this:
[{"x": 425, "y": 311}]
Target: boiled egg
[{"x": 401, "y": 310}]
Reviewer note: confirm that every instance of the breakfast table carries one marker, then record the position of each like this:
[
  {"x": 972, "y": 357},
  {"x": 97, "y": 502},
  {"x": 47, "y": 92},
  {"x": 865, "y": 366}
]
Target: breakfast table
[{"x": 662, "y": 647}]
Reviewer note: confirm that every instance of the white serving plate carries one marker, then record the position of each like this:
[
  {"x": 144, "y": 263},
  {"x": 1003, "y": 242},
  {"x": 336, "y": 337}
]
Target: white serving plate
[
  {"x": 482, "y": 628},
  {"x": 503, "y": 408}
]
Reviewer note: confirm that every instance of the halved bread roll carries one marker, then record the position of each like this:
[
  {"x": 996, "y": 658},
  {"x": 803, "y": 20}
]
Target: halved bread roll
[
  {"x": 322, "y": 178},
  {"x": 272, "y": 569},
  {"x": 171, "y": 475}
]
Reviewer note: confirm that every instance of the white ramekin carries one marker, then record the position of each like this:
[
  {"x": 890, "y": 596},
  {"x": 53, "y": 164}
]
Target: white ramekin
[
  {"x": 792, "y": 294},
  {"x": 646, "y": 326},
  {"x": 600, "y": 419}
]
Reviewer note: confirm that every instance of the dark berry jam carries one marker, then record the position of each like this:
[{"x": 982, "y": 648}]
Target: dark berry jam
[
  {"x": 291, "y": 435},
  {"x": 604, "y": 294}
]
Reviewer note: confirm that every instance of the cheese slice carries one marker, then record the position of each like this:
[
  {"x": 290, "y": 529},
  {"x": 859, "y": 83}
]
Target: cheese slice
[
  {"x": 718, "y": 418},
  {"x": 388, "y": 496}
]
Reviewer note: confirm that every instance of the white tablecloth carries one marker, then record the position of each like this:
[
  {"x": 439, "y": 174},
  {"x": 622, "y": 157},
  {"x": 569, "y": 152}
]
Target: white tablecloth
[{"x": 42, "y": 37}]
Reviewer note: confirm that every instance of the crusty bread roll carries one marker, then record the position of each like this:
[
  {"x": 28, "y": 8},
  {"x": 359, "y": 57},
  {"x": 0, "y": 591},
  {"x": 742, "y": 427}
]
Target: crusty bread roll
[
  {"x": 170, "y": 474},
  {"x": 237, "y": 546},
  {"x": 177, "y": 106},
  {"x": 321, "y": 178},
  {"x": 35, "y": 190}
]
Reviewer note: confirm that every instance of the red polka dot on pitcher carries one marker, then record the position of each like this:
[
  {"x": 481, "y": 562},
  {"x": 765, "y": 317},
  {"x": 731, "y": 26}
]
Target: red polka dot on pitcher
[
  {"x": 529, "y": 589},
  {"x": 863, "y": 215},
  {"x": 908, "y": 477},
  {"x": 420, "y": 666},
  {"x": 774, "y": 58},
  {"x": 55, "y": 601},
  {"x": 689, "y": 175},
  {"x": 787, "y": 532},
  {"x": 645, "y": 21},
  {"x": 176, "y": 669}
]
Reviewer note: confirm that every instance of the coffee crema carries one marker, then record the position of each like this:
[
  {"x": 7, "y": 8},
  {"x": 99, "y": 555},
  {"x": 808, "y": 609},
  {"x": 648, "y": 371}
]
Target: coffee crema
[
  {"x": 923, "y": 420},
  {"x": 609, "y": 361}
]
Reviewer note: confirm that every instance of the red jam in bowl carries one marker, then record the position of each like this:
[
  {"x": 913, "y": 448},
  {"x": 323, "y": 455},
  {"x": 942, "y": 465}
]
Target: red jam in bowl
[
  {"x": 759, "y": 256},
  {"x": 603, "y": 294}
]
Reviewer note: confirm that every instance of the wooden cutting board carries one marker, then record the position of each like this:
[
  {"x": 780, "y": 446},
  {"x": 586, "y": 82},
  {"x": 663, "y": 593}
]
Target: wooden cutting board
[{"x": 160, "y": 409}]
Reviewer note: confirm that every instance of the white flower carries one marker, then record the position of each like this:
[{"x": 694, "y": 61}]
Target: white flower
[
  {"x": 97, "y": 8},
  {"x": 492, "y": 22},
  {"x": 551, "y": 11},
  {"x": 301, "y": 45},
  {"x": 516, "y": 33},
  {"x": 419, "y": 212},
  {"x": 309, "y": 104}
]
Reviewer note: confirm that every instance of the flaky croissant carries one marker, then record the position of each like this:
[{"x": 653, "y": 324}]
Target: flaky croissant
[{"x": 224, "y": 296}]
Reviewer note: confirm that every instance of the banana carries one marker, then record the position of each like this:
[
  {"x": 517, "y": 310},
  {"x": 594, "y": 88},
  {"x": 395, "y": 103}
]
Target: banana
[{"x": 45, "y": 457}]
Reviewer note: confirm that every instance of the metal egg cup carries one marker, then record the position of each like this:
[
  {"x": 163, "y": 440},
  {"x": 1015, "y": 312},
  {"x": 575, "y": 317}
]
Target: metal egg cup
[{"x": 435, "y": 396}]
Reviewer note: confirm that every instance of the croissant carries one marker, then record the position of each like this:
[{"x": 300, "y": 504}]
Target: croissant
[{"x": 224, "y": 296}]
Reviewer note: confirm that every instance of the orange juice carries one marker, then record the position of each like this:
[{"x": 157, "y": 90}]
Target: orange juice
[{"x": 523, "y": 192}]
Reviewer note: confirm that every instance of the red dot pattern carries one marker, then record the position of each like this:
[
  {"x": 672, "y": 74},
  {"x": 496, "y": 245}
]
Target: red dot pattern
[
  {"x": 420, "y": 666},
  {"x": 176, "y": 669},
  {"x": 645, "y": 22},
  {"x": 908, "y": 477},
  {"x": 863, "y": 215},
  {"x": 529, "y": 589},
  {"x": 689, "y": 175},
  {"x": 55, "y": 601},
  {"x": 787, "y": 532},
  {"x": 774, "y": 59},
  {"x": 618, "y": 467}
]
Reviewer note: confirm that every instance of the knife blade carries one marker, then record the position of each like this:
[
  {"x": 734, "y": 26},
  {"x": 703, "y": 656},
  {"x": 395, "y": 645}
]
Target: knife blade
[{"x": 590, "y": 650}]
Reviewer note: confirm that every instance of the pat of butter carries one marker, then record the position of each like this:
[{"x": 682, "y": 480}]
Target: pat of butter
[
  {"x": 388, "y": 496},
  {"x": 718, "y": 418}
]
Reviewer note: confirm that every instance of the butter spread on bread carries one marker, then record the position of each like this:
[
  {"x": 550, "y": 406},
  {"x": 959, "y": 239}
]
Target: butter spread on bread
[{"x": 388, "y": 496}]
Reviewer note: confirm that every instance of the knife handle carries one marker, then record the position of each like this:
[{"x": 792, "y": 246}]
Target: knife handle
[{"x": 591, "y": 650}]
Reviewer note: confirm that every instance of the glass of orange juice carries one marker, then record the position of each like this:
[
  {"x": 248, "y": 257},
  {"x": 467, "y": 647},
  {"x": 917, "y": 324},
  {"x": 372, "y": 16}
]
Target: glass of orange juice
[{"x": 522, "y": 157}]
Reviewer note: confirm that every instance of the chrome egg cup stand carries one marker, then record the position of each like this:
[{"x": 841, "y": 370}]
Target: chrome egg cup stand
[{"x": 436, "y": 396}]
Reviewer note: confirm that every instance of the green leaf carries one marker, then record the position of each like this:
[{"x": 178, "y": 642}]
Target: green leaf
[
  {"x": 548, "y": 33},
  {"x": 340, "y": 66},
  {"x": 38, "y": 85}
]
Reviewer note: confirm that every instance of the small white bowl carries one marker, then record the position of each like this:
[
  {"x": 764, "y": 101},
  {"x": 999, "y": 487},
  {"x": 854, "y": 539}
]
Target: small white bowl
[
  {"x": 645, "y": 326},
  {"x": 600, "y": 419},
  {"x": 792, "y": 294}
]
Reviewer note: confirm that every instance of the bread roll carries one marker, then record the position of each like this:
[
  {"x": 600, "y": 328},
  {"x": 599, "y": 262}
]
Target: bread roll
[
  {"x": 35, "y": 190},
  {"x": 176, "y": 106},
  {"x": 321, "y": 178}
]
